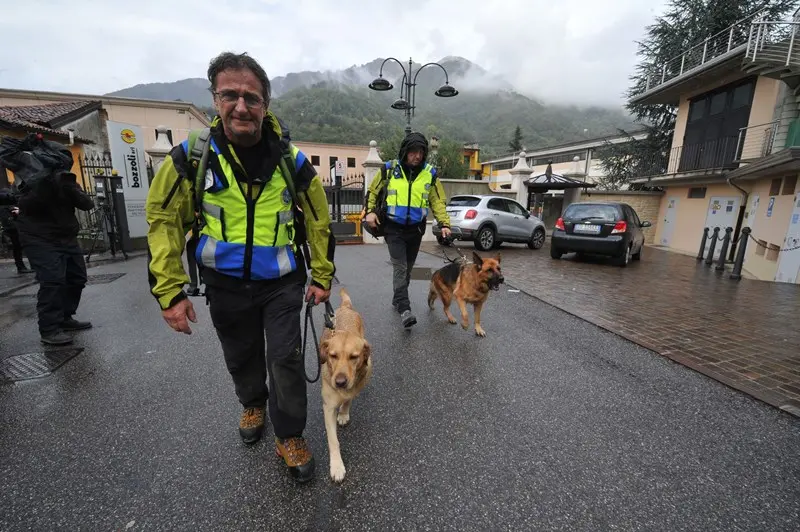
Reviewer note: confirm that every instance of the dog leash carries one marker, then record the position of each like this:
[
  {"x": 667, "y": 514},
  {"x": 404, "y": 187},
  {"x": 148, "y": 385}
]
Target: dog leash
[{"x": 329, "y": 314}]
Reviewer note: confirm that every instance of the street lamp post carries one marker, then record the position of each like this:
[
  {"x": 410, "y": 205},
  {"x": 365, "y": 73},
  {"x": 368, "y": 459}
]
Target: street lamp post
[{"x": 408, "y": 91}]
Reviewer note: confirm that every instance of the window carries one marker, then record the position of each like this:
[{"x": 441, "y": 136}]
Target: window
[
  {"x": 742, "y": 96},
  {"x": 332, "y": 161},
  {"x": 463, "y": 201},
  {"x": 717, "y": 103},
  {"x": 497, "y": 204},
  {"x": 315, "y": 160},
  {"x": 557, "y": 159},
  {"x": 697, "y": 110},
  {"x": 351, "y": 162},
  {"x": 775, "y": 187},
  {"x": 466, "y": 160},
  {"x": 697, "y": 193},
  {"x": 789, "y": 185},
  {"x": 515, "y": 208},
  {"x": 505, "y": 165},
  {"x": 588, "y": 211}
]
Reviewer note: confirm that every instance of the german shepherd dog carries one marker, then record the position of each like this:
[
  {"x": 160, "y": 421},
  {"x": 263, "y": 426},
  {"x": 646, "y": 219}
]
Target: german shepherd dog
[
  {"x": 467, "y": 283},
  {"x": 346, "y": 360}
]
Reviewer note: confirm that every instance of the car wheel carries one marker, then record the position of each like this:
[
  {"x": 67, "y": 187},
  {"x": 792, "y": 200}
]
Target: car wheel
[
  {"x": 626, "y": 257},
  {"x": 484, "y": 241},
  {"x": 638, "y": 255},
  {"x": 555, "y": 253},
  {"x": 537, "y": 239}
]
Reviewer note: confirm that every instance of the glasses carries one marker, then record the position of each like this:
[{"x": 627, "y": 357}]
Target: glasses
[{"x": 250, "y": 100}]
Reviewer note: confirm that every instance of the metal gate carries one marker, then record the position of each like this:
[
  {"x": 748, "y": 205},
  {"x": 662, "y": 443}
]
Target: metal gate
[
  {"x": 345, "y": 202},
  {"x": 92, "y": 231}
]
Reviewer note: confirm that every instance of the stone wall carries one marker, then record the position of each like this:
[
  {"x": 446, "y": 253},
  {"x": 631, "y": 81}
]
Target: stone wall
[
  {"x": 646, "y": 205},
  {"x": 454, "y": 187}
]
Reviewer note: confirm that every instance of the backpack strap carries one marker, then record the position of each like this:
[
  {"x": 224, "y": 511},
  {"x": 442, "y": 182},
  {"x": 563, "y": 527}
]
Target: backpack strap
[
  {"x": 199, "y": 146},
  {"x": 289, "y": 171}
]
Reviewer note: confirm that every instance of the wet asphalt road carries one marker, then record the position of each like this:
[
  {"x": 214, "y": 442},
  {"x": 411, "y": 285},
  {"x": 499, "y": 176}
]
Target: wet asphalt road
[{"x": 549, "y": 423}]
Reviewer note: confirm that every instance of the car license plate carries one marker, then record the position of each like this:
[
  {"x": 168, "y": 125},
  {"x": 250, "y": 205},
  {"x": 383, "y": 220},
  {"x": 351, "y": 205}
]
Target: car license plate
[
  {"x": 453, "y": 213},
  {"x": 587, "y": 228}
]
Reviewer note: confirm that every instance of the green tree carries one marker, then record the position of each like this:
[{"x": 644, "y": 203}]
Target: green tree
[
  {"x": 684, "y": 24},
  {"x": 516, "y": 142},
  {"x": 450, "y": 160}
]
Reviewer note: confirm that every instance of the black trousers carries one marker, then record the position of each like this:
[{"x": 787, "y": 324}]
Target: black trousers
[
  {"x": 16, "y": 246},
  {"x": 61, "y": 273},
  {"x": 403, "y": 246},
  {"x": 241, "y": 318}
]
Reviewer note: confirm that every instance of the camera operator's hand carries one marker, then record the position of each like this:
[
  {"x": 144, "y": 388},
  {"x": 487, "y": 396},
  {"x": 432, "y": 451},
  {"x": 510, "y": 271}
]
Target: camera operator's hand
[{"x": 176, "y": 316}]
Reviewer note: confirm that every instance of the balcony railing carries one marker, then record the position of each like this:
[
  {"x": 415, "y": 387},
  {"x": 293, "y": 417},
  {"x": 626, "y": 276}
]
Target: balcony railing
[
  {"x": 755, "y": 142},
  {"x": 736, "y": 35},
  {"x": 774, "y": 41},
  {"x": 715, "y": 154}
]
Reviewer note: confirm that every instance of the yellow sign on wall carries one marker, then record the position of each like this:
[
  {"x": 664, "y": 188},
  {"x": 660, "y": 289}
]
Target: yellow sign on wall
[{"x": 128, "y": 136}]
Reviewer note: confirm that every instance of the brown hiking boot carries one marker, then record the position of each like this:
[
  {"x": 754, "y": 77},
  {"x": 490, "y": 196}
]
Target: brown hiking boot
[
  {"x": 298, "y": 457},
  {"x": 251, "y": 424}
]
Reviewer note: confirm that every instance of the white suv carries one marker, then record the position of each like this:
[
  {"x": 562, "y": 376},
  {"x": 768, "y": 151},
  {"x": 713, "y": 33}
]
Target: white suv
[{"x": 488, "y": 221}]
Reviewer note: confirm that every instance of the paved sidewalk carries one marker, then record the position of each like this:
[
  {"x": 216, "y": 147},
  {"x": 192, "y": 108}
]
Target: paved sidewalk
[{"x": 745, "y": 334}]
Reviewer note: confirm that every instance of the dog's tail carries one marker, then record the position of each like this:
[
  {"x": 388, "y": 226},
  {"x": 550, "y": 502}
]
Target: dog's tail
[{"x": 346, "y": 302}]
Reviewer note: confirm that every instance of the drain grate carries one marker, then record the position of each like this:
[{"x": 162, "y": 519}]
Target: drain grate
[
  {"x": 34, "y": 365},
  {"x": 102, "y": 278}
]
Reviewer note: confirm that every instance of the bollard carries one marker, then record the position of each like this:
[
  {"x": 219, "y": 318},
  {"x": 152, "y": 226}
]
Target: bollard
[
  {"x": 724, "y": 249},
  {"x": 703, "y": 244},
  {"x": 712, "y": 247},
  {"x": 736, "y": 274}
]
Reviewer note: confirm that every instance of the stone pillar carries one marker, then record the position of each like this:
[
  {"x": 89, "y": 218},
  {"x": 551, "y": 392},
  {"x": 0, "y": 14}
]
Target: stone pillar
[
  {"x": 158, "y": 152},
  {"x": 372, "y": 166},
  {"x": 574, "y": 194},
  {"x": 519, "y": 174}
]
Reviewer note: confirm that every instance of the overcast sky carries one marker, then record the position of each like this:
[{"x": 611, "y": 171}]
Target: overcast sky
[{"x": 567, "y": 51}]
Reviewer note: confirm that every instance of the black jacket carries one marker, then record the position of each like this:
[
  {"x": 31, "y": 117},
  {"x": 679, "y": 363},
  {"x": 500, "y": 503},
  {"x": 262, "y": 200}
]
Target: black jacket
[
  {"x": 7, "y": 198},
  {"x": 49, "y": 214}
]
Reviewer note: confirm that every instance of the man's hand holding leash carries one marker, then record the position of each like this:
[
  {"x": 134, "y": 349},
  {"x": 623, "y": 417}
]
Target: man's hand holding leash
[{"x": 317, "y": 294}]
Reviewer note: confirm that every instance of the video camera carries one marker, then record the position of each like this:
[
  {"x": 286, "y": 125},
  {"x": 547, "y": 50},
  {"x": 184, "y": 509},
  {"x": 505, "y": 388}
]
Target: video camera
[{"x": 33, "y": 160}]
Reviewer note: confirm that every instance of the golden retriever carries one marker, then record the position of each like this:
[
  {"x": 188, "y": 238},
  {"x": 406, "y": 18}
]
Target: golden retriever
[{"x": 346, "y": 361}]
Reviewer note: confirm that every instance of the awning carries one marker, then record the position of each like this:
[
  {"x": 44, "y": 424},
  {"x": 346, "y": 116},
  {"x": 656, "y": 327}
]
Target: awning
[{"x": 550, "y": 181}]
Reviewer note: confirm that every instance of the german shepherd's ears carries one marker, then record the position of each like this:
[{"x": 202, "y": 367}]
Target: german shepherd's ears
[
  {"x": 323, "y": 351},
  {"x": 477, "y": 260}
]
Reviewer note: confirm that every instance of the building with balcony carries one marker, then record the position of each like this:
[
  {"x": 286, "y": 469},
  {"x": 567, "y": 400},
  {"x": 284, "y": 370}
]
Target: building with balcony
[{"x": 735, "y": 152}]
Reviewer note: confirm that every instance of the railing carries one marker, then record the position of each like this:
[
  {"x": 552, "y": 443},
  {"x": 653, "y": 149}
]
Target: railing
[
  {"x": 773, "y": 41},
  {"x": 755, "y": 142},
  {"x": 713, "y": 154},
  {"x": 736, "y": 35}
]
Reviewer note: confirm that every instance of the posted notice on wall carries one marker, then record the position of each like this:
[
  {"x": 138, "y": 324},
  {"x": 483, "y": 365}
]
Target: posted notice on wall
[{"x": 128, "y": 159}]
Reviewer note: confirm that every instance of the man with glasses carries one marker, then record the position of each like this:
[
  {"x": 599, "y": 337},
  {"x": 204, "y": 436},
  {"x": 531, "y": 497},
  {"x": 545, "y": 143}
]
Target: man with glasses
[{"x": 239, "y": 186}]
